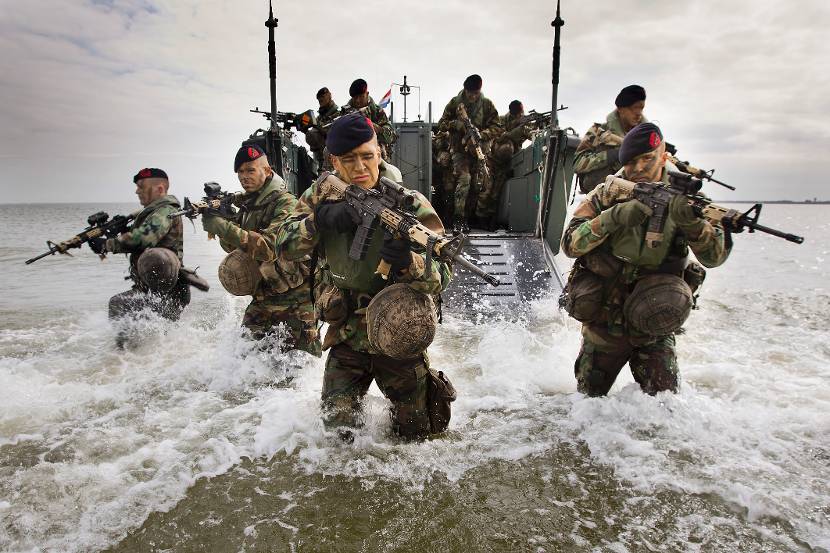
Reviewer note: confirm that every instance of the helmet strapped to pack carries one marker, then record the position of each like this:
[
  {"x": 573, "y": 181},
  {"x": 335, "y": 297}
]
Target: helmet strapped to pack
[
  {"x": 239, "y": 273},
  {"x": 158, "y": 269},
  {"x": 658, "y": 305},
  {"x": 401, "y": 321}
]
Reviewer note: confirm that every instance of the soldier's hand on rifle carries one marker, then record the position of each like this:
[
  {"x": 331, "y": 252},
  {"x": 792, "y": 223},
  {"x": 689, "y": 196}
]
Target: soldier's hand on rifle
[
  {"x": 397, "y": 253},
  {"x": 338, "y": 216},
  {"x": 682, "y": 213},
  {"x": 214, "y": 224},
  {"x": 98, "y": 245},
  {"x": 632, "y": 213},
  {"x": 458, "y": 125}
]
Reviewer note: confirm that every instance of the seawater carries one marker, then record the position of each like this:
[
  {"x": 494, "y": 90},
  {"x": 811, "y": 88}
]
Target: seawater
[{"x": 188, "y": 442}]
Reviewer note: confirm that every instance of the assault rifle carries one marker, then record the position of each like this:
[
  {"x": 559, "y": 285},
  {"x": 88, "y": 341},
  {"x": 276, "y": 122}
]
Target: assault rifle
[
  {"x": 216, "y": 201},
  {"x": 100, "y": 224},
  {"x": 686, "y": 167},
  {"x": 474, "y": 136},
  {"x": 391, "y": 205},
  {"x": 658, "y": 196},
  {"x": 345, "y": 110}
]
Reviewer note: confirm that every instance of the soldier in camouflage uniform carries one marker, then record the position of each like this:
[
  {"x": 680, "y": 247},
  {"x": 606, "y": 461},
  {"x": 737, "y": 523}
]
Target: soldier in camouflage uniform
[
  {"x": 360, "y": 99},
  {"x": 316, "y": 136},
  {"x": 598, "y": 154},
  {"x": 442, "y": 174},
  {"x": 485, "y": 118},
  {"x": 607, "y": 238},
  {"x": 516, "y": 131},
  {"x": 283, "y": 296},
  {"x": 324, "y": 225},
  {"x": 150, "y": 229}
]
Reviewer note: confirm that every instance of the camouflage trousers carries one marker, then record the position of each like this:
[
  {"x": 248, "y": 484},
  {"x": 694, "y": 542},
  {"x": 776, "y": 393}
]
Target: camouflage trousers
[
  {"x": 263, "y": 316},
  {"x": 653, "y": 361},
  {"x": 488, "y": 199},
  {"x": 347, "y": 378},
  {"x": 467, "y": 175}
]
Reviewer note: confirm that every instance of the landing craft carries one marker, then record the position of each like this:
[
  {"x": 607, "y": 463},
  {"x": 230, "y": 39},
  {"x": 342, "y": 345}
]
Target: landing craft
[{"x": 532, "y": 209}]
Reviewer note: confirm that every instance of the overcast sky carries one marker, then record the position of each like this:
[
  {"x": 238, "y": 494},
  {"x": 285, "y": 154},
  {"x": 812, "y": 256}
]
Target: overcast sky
[{"x": 91, "y": 91}]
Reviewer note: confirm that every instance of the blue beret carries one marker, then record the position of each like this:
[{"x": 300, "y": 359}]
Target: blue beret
[
  {"x": 642, "y": 139},
  {"x": 246, "y": 154},
  {"x": 630, "y": 95},
  {"x": 149, "y": 173},
  {"x": 348, "y": 132}
]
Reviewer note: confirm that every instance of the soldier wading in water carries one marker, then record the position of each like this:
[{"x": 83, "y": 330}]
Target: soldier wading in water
[
  {"x": 350, "y": 292},
  {"x": 631, "y": 298}
]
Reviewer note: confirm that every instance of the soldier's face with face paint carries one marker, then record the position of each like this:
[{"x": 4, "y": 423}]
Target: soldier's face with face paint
[
  {"x": 150, "y": 189},
  {"x": 361, "y": 100},
  {"x": 647, "y": 167},
  {"x": 360, "y": 166},
  {"x": 253, "y": 174},
  {"x": 631, "y": 116},
  {"x": 472, "y": 95}
]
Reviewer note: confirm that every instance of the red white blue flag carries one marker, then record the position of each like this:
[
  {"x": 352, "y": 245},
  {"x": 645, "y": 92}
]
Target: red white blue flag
[{"x": 386, "y": 99}]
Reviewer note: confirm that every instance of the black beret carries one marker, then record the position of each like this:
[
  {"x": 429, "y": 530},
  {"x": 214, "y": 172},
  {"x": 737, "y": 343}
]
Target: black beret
[
  {"x": 515, "y": 107},
  {"x": 358, "y": 87},
  {"x": 642, "y": 139},
  {"x": 348, "y": 132},
  {"x": 246, "y": 154},
  {"x": 322, "y": 91},
  {"x": 149, "y": 173},
  {"x": 630, "y": 95},
  {"x": 472, "y": 83}
]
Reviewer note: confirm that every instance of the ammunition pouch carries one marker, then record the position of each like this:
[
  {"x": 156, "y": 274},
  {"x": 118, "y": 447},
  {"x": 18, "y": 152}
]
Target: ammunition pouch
[
  {"x": 440, "y": 394},
  {"x": 694, "y": 274},
  {"x": 583, "y": 295},
  {"x": 283, "y": 275},
  {"x": 330, "y": 305}
]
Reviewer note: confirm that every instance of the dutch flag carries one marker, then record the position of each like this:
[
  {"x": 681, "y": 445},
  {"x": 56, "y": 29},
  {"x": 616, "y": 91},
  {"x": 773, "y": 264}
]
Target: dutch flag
[{"x": 386, "y": 99}]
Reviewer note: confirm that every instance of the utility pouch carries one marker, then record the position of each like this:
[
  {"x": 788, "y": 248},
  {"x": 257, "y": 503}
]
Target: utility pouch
[
  {"x": 440, "y": 394},
  {"x": 331, "y": 306},
  {"x": 582, "y": 296},
  {"x": 192, "y": 279},
  {"x": 602, "y": 263},
  {"x": 694, "y": 274}
]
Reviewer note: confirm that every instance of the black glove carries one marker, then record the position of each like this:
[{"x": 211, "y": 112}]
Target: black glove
[
  {"x": 396, "y": 252},
  {"x": 338, "y": 216},
  {"x": 613, "y": 155},
  {"x": 98, "y": 244}
]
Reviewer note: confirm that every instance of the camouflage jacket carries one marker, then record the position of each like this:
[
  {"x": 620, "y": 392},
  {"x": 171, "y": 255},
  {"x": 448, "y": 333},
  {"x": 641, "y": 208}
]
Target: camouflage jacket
[
  {"x": 386, "y": 134},
  {"x": 482, "y": 114},
  {"x": 254, "y": 230},
  {"x": 327, "y": 114},
  {"x": 591, "y": 163},
  {"x": 584, "y": 235},
  {"x": 152, "y": 229},
  {"x": 299, "y": 237},
  {"x": 514, "y": 131}
]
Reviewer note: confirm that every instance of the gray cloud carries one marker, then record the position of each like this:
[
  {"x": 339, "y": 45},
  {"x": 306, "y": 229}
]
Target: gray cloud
[{"x": 90, "y": 92}]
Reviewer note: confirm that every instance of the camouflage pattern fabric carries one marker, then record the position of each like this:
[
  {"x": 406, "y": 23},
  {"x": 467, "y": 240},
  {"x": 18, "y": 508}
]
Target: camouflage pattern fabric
[
  {"x": 514, "y": 134},
  {"x": 284, "y": 294},
  {"x": 466, "y": 173},
  {"x": 316, "y": 136},
  {"x": 349, "y": 374},
  {"x": 609, "y": 342},
  {"x": 653, "y": 364},
  {"x": 386, "y": 134},
  {"x": 591, "y": 163},
  {"x": 298, "y": 238},
  {"x": 443, "y": 175}
]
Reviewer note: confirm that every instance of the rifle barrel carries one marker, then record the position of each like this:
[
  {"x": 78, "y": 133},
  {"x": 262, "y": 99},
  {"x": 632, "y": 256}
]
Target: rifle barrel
[
  {"x": 475, "y": 269},
  {"x": 780, "y": 234},
  {"x": 51, "y": 251}
]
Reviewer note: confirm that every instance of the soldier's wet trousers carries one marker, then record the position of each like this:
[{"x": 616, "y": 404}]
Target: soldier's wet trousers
[
  {"x": 349, "y": 374},
  {"x": 262, "y": 317},
  {"x": 653, "y": 363},
  {"x": 488, "y": 200},
  {"x": 134, "y": 300}
]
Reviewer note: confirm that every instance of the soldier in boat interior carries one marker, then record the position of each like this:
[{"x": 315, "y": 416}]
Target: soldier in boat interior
[
  {"x": 316, "y": 136},
  {"x": 598, "y": 154},
  {"x": 360, "y": 100}
]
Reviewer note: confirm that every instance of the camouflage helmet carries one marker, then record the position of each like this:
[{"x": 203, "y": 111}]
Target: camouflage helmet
[
  {"x": 158, "y": 269},
  {"x": 239, "y": 273},
  {"x": 401, "y": 321},
  {"x": 658, "y": 305},
  {"x": 503, "y": 151}
]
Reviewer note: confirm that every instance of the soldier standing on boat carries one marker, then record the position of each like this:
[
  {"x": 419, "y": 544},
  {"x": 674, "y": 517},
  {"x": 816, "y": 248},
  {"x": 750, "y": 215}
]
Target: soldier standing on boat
[
  {"x": 598, "y": 154},
  {"x": 316, "y": 136},
  {"x": 156, "y": 246},
  {"x": 465, "y": 164},
  {"x": 360, "y": 99},
  {"x": 281, "y": 290},
  {"x": 324, "y": 225},
  {"x": 630, "y": 296}
]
